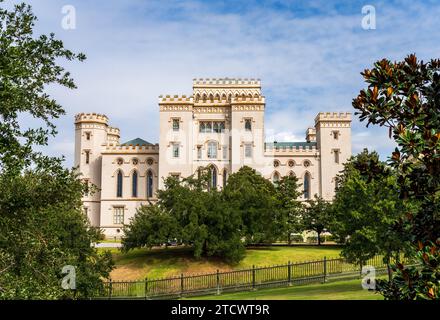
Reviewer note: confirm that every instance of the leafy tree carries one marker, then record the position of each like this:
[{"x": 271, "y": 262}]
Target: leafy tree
[
  {"x": 316, "y": 216},
  {"x": 404, "y": 96},
  {"x": 214, "y": 223},
  {"x": 42, "y": 224},
  {"x": 192, "y": 212},
  {"x": 28, "y": 65},
  {"x": 151, "y": 226},
  {"x": 365, "y": 210},
  {"x": 42, "y": 229},
  {"x": 287, "y": 193},
  {"x": 254, "y": 198}
]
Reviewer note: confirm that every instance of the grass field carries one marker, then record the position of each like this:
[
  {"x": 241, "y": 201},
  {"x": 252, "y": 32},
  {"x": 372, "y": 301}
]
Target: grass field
[
  {"x": 165, "y": 262},
  {"x": 342, "y": 290}
]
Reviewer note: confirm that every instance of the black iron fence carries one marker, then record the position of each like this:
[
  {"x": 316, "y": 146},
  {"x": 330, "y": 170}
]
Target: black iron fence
[{"x": 238, "y": 280}]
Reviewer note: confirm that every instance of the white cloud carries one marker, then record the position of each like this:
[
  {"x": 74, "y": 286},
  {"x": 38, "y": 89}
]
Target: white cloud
[{"x": 138, "y": 50}]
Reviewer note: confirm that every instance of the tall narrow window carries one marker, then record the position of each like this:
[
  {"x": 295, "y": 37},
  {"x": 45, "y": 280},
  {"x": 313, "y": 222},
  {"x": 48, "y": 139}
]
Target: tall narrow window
[
  {"x": 212, "y": 150},
  {"x": 225, "y": 152},
  {"x": 175, "y": 150},
  {"x": 87, "y": 152},
  {"x": 248, "y": 124},
  {"x": 199, "y": 152},
  {"x": 248, "y": 150},
  {"x": 336, "y": 153},
  {"x": 134, "y": 187},
  {"x": 176, "y": 124},
  {"x": 276, "y": 177},
  {"x": 86, "y": 189},
  {"x": 149, "y": 184},
  {"x": 225, "y": 177},
  {"x": 216, "y": 127},
  {"x": 118, "y": 215},
  {"x": 87, "y": 135},
  {"x": 119, "y": 185},
  {"x": 213, "y": 177},
  {"x": 307, "y": 186}
]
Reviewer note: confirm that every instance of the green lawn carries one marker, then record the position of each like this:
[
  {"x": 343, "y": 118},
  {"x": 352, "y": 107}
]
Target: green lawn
[
  {"x": 165, "y": 262},
  {"x": 342, "y": 290}
]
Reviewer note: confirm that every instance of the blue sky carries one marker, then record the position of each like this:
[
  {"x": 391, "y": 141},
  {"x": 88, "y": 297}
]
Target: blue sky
[{"x": 308, "y": 55}]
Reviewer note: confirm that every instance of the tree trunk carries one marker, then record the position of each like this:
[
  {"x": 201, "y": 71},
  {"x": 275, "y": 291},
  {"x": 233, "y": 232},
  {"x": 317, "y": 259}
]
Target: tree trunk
[
  {"x": 319, "y": 239},
  {"x": 289, "y": 240}
]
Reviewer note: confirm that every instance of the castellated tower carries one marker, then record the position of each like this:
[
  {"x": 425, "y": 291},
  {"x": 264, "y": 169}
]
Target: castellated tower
[
  {"x": 333, "y": 136},
  {"x": 91, "y": 134}
]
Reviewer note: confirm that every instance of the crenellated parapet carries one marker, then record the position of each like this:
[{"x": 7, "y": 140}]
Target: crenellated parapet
[
  {"x": 311, "y": 135},
  {"x": 175, "y": 99},
  {"x": 248, "y": 100},
  {"x": 222, "y": 82},
  {"x": 91, "y": 117},
  {"x": 333, "y": 116},
  {"x": 333, "y": 119},
  {"x": 113, "y": 131},
  {"x": 130, "y": 149},
  {"x": 291, "y": 149},
  {"x": 224, "y": 89},
  {"x": 175, "y": 103}
]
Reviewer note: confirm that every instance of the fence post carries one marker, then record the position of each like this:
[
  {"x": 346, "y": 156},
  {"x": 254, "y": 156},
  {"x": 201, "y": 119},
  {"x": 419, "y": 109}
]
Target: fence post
[
  {"x": 146, "y": 287},
  {"x": 110, "y": 289},
  {"x": 325, "y": 269},
  {"x": 253, "y": 277},
  {"x": 289, "y": 273},
  {"x": 218, "y": 282},
  {"x": 181, "y": 284}
]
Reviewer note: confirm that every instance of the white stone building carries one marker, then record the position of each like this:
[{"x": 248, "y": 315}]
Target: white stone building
[{"x": 221, "y": 125}]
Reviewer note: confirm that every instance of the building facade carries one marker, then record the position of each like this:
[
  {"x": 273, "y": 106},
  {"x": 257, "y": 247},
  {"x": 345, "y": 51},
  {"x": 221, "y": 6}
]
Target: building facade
[{"x": 220, "y": 126}]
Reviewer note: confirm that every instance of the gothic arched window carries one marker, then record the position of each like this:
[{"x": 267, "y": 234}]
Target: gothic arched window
[
  {"x": 212, "y": 177},
  {"x": 225, "y": 177},
  {"x": 212, "y": 150},
  {"x": 307, "y": 186},
  {"x": 276, "y": 177},
  {"x": 119, "y": 184},
  {"x": 149, "y": 184},
  {"x": 134, "y": 187}
]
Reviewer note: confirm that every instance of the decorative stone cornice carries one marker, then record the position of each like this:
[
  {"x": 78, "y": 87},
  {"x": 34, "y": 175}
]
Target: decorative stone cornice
[{"x": 248, "y": 107}]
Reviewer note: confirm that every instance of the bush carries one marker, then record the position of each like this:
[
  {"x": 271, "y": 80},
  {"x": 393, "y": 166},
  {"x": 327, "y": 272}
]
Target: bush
[
  {"x": 296, "y": 238},
  {"x": 314, "y": 239}
]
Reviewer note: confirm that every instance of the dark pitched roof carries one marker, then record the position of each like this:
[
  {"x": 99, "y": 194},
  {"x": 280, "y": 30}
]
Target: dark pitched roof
[
  {"x": 137, "y": 141},
  {"x": 289, "y": 145}
]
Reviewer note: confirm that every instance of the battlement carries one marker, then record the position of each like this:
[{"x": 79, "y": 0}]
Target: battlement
[
  {"x": 138, "y": 148},
  {"x": 333, "y": 116},
  {"x": 243, "y": 99},
  {"x": 289, "y": 147},
  {"x": 226, "y": 82},
  {"x": 176, "y": 99},
  {"x": 311, "y": 134},
  {"x": 91, "y": 117},
  {"x": 113, "y": 131}
]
